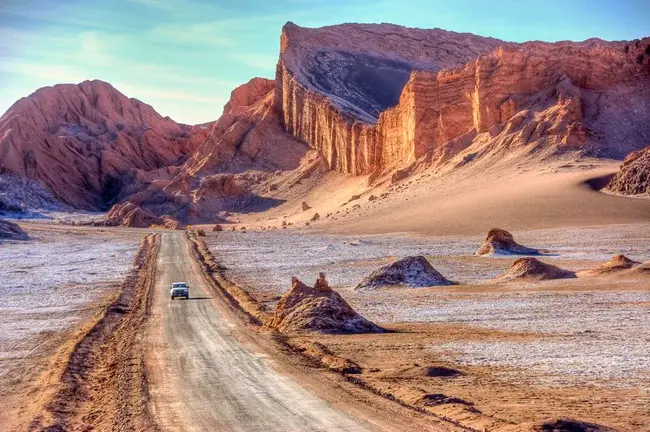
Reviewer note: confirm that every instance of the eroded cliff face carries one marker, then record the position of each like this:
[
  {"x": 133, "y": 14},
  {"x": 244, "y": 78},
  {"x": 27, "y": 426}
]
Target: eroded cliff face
[
  {"x": 334, "y": 84},
  {"x": 243, "y": 148},
  {"x": 562, "y": 96}
]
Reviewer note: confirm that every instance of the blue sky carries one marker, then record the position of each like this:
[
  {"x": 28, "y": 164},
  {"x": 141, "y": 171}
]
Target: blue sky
[{"x": 184, "y": 57}]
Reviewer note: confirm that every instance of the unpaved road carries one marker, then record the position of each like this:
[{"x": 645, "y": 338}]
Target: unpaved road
[{"x": 203, "y": 379}]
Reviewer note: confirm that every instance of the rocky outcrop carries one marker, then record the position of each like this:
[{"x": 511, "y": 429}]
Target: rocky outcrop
[
  {"x": 570, "y": 425},
  {"x": 413, "y": 271},
  {"x": 319, "y": 309},
  {"x": 20, "y": 195},
  {"x": 634, "y": 176},
  {"x": 377, "y": 97},
  {"x": 615, "y": 264},
  {"x": 533, "y": 269},
  {"x": 81, "y": 142},
  {"x": 130, "y": 215},
  {"x": 500, "y": 241},
  {"x": 11, "y": 231}
]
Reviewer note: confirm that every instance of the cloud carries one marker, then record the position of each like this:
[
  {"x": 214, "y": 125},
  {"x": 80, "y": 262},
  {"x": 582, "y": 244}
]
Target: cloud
[
  {"x": 148, "y": 93},
  {"x": 54, "y": 73},
  {"x": 257, "y": 60}
]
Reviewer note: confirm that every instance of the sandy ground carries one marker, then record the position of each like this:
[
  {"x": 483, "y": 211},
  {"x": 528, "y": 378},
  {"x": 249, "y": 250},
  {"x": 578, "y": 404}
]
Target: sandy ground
[
  {"x": 529, "y": 352},
  {"x": 524, "y": 353},
  {"x": 508, "y": 193},
  {"x": 51, "y": 285}
]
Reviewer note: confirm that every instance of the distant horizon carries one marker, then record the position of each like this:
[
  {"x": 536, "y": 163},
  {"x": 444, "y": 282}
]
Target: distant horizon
[{"x": 185, "y": 60}]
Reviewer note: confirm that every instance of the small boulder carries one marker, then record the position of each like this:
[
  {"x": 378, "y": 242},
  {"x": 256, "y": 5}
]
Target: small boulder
[
  {"x": 500, "y": 241},
  {"x": 412, "y": 271},
  {"x": 200, "y": 233},
  {"x": 534, "y": 269},
  {"x": 217, "y": 227},
  {"x": 11, "y": 231},
  {"x": 315, "y": 217},
  {"x": 305, "y": 206},
  {"x": 320, "y": 309}
]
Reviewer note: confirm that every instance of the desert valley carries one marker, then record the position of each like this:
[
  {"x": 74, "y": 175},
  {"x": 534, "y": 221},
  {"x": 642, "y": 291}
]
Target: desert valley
[{"x": 405, "y": 229}]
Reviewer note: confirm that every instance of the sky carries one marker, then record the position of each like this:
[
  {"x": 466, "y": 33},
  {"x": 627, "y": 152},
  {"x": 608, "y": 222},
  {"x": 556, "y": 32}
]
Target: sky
[{"x": 185, "y": 57}]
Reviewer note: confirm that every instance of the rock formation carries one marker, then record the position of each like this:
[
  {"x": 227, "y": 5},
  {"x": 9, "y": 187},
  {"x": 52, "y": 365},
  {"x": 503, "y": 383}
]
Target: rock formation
[
  {"x": 533, "y": 269},
  {"x": 243, "y": 149},
  {"x": 21, "y": 195},
  {"x": 634, "y": 176},
  {"x": 217, "y": 227},
  {"x": 376, "y": 97},
  {"x": 318, "y": 309},
  {"x": 130, "y": 215},
  {"x": 615, "y": 264},
  {"x": 11, "y": 231},
  {"x": 412, "y": 271},
  {"x": 82, "y": 143},
  {"x": 570, "y": 425},
  {"x": 355, "y": 98},
  {"x": 500, "y": 241}
]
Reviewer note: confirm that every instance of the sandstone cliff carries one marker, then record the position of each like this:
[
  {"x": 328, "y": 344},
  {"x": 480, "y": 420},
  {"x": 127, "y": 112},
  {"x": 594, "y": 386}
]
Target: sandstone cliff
[
  {"x": 79, "y": 142},
  {"x": 377, "y": 97}
]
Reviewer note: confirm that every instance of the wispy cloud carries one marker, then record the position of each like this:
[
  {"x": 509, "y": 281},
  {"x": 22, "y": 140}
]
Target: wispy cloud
[
  {"x": 262, "y": 61},
  {"x": 146, "y": 93}
]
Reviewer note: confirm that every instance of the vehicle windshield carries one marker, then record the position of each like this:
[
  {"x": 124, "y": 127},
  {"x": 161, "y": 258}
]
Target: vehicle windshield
[{"x": 179, "y": 285}]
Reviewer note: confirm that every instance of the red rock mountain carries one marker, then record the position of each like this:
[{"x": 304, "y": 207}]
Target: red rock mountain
[
  {"x": 83, "y": 143},
  {"x": 245, "y": 147},
  {"x": 356, "y": 98}
]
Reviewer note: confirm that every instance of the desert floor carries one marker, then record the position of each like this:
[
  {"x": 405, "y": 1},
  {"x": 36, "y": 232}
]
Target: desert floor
[
  {"x": 478, "y": 355},
  {"x": 524, "y": 352}
]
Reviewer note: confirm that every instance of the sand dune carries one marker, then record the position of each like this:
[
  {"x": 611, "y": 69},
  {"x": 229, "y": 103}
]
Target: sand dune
[{"x": 473, "y": 201}]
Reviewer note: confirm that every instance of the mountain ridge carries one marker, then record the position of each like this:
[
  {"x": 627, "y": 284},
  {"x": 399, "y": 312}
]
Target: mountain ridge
[{"x": 360, "y": 99}]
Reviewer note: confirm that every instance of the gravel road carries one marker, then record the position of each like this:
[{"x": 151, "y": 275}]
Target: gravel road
[{"x": 203, "y": 379}]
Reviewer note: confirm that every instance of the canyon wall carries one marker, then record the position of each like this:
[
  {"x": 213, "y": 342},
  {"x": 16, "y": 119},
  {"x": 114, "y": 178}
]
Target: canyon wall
[{"x": 560, "y": 92}]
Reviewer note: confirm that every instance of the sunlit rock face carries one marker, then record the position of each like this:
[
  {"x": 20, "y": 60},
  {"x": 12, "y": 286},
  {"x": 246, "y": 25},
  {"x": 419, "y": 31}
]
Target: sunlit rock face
[
  {"x": 81, "y": 142},
  {"x": 241, "y": 150},
  {"x": 377, "y": 97},
  {"x": 333, "y": 84},
  {"x": 634, "y": 175}
]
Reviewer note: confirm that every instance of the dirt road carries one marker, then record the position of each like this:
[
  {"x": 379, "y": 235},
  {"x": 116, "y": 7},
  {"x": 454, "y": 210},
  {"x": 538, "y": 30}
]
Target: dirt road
[{"x": 204, "y": 379}]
